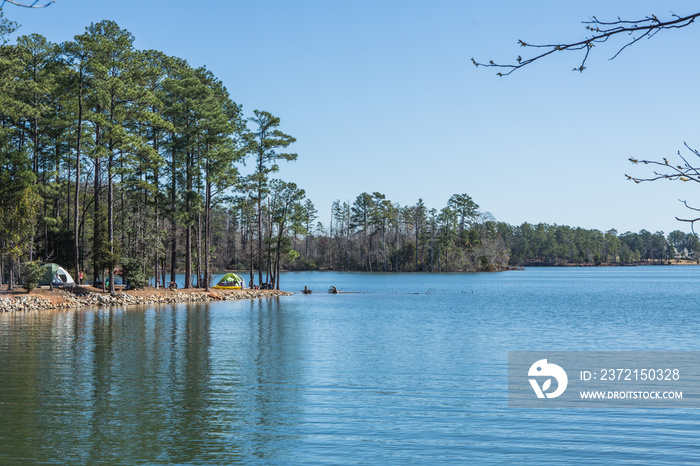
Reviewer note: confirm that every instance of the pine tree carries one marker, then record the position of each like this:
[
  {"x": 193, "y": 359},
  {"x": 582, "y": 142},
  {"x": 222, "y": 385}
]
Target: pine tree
[{"x": 262, "y": 143}]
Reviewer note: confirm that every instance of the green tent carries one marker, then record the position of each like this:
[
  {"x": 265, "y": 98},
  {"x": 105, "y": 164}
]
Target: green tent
[
  {"x": 55, "y": 275},
  {"x": 231, "y": 279}
]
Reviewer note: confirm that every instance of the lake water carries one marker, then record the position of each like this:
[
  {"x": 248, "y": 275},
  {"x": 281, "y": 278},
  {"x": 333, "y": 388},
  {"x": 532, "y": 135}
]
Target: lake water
[{"x": 411, "y": 369}]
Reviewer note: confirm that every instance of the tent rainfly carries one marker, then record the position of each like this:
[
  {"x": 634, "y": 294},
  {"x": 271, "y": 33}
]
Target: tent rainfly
[
  {"x": 56, "y": 275},
  {"x": 230, "y": 281}
]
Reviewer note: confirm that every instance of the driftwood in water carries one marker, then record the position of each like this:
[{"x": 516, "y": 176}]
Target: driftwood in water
[{"x": 334, "y": 290}]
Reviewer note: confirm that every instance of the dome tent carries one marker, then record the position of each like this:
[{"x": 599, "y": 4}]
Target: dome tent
[
  {"x": 55, "y": 275},
  {"x": 230, "y": 281}
]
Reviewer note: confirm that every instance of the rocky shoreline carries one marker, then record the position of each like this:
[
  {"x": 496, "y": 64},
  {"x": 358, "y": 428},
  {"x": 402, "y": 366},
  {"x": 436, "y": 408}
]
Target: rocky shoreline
[{"x": 78, "y": 297}]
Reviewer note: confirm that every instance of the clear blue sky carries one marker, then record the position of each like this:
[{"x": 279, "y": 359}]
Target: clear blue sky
[{"x": 382, "y": 96}]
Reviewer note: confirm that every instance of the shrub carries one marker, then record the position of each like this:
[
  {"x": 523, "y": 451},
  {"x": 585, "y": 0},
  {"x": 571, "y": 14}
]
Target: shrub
[
  {"x": 133, "y": 273},
  {"x": 32, "y": 271},
  {"x": 485, "y": 265}
]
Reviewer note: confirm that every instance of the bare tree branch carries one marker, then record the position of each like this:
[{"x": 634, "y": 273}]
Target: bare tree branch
[
  {"x": 684, "y": 172},
  {"x": 691, "y": 221},
  {"x": 602, "y": 31},
  {"x": 691, "y": 208},
  {"x": 35, "y": 4}
]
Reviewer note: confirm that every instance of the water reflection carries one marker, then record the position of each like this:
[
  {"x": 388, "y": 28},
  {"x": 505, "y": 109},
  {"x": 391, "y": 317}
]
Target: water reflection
[
  {"x": 105, "y": 385},
  {"x": 260, "y": 372},
  {"x": 148, "y": 384}
]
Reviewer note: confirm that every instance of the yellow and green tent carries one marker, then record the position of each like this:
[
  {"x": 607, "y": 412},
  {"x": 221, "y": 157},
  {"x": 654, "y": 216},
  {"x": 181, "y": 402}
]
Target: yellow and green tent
[{"x": 230, "y": 281}]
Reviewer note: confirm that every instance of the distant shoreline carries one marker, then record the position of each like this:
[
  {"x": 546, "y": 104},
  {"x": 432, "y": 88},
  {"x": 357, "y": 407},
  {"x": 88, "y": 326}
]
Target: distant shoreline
[{"x": 672, "y": 262}]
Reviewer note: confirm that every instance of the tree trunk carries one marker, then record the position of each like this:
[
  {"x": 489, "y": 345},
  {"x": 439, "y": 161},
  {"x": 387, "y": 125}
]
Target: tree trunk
[
  {"x": 188, "y": 256},
  {"x": 69, "y": 190},
  {"x": 260, "y": 233},
  {"x": 252, "y": 268},
  {"x": 156, "y": 225},
  {"x": 12, "y": 275},
  {"x": 110, "y": 216},
  {"x": 96, "y": 190},
  {"x": 76, "y": 201},
  {"x": 269, "y": 242},
  {"x": 199, "y": 250},
  {"x": 188, "y": 230},
  {"x": 173, "y": 225},
  {"x": 432, "y": 247},
  {"x": 35, "y": 169},
  {"x": 207, "y": 232},
  {"x": 277, "y": 257},
  {"x": 416, "y": 232}
]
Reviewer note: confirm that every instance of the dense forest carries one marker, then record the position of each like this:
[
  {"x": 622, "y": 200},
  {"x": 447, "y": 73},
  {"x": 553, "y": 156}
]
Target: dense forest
[
  {"x": 454, "y": 240},
  {"x": 113, "y": 158}
]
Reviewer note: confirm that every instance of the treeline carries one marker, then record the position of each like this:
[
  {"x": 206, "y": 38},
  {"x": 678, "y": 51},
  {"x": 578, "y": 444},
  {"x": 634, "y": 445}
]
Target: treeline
[
  {"x": 544, "y": 244},
  {"x": 372, "y": 234}
]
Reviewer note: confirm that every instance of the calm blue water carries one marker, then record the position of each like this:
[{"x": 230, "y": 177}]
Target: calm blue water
[{"x": 411, "y": 369}]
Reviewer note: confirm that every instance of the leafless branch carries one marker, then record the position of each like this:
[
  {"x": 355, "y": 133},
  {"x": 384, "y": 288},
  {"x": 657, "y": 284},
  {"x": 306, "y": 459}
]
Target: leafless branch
[
  {"x": 685, "y": 203},
  {"x": 684, "y": 172},
  {"x": 691, "y": 221},
  {"x": 35, "y": 4},
  {"x": 602, "y": 31}
]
